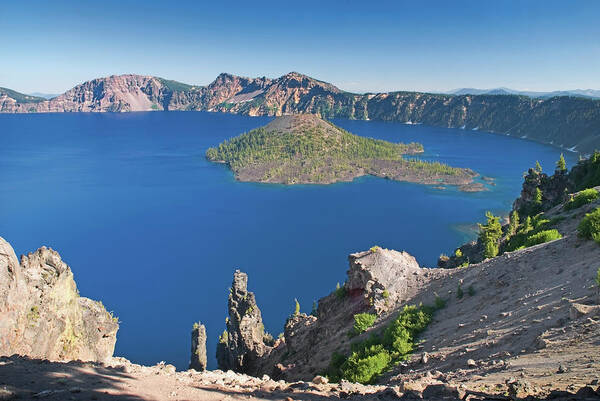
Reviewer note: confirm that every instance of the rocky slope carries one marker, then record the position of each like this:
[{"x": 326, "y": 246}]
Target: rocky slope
[
  {"x": 305, "y": 149},
  {"x": 523, "y": 323},
  {"x": 569, "y": 122},
  {"x": 528, "y": 330},
  {"x": 42, "y": 314}
]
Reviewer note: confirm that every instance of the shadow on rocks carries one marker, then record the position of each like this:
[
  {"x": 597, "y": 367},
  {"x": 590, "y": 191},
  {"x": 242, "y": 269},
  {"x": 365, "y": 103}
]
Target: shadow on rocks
[{"x": 22, "y": 378}]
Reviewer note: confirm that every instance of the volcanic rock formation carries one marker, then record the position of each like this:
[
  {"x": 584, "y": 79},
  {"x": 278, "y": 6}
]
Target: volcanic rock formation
[
  {"x": 243, "y": 343},
  {"x": 42, "y": 314}
]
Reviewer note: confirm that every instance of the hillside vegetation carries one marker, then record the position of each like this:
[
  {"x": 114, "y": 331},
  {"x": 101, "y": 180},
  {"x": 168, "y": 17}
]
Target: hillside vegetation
[
  {"x": 530, "y": 222},
  {"x": 306, "y": 149}
]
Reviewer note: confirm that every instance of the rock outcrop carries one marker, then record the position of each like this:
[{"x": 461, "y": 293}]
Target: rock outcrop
[
  {"x": 383, "y": 276},
  {"x": 379, "y": 280},
  {"x": 242, "y": 345},
  {"x": 553, "y": 191},
  {"x": 42, "y": 314},
  {"x": 198, "y": 355},
  {"x": 570, "y": 122}
]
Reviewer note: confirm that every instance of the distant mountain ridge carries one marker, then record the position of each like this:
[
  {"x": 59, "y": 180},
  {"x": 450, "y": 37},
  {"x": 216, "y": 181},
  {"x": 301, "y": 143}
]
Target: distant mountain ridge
[
  {"x": 44, "y": 95},
  {"x": 566, "y": 121},
  {"x": 591, "y": 93}
]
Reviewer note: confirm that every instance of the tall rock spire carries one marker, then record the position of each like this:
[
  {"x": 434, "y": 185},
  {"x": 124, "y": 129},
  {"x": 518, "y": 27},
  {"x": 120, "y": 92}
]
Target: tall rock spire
[
  {"x": 243, "y": 343},
  {"x": 198, "y": 356}
]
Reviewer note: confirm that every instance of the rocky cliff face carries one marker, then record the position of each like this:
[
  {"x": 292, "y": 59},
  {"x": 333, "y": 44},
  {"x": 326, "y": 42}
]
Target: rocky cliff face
[
  {"x": 42, "y": 314},
  {"x": 243, "y": 343},
  {"x": 569, "y": 122}
]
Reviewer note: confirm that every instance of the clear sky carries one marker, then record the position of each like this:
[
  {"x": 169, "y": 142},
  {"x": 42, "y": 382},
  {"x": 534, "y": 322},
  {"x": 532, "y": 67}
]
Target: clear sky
[{"x": 50, "y": 46}]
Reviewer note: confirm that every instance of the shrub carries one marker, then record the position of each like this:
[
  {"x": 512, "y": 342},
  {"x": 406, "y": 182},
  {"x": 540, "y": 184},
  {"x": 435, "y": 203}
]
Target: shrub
[
  {"x": 399, "y": 336},
  {"x": 541, "y": 237},
  {"x": 539, "y": 221},
  {"x": 459, "y": 292},
  {"x": 362, "y": 321},
  {"x": 34, "y": 313},
  {"x": 534, "y": 231},
  {"x": 335, "y": 365},
  {"x": 598, "y": 278},
  {"x": 366, "y": 365},
  {"x": 458, "y": 253},
  {"x": 440, "y": 303},
  {"x": 386, "y": 294},
  {"x": 583, "y": 198},
  {"x": 375, "y": 248},
  {"x": 590, "y": 226},
  {"x": 371, "y": 357}
]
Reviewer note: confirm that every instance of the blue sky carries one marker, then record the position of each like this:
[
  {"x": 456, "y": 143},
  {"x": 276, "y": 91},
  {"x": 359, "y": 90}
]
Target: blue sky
[{"x": 50, "y": 46}]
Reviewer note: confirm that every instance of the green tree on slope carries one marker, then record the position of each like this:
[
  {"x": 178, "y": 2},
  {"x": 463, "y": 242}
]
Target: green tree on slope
[
  {"x": 561, "y": 164},
  {"x": 489, "y": 235}
]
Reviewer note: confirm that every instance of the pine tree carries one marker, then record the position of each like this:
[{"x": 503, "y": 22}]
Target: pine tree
[
  {"x": 513, "y": 223},
  {"x": 538, "y": 167},
  {"x": 297, "y": 308},
  {"x": 561, "y": 164},
  {"x": 490, "y": 234},
  {"x": 538, "y": 196},
  {"x": 314, "y": 309}
]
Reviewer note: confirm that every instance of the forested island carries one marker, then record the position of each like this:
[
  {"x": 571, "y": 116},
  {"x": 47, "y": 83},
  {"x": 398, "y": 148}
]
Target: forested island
[{"x": 305, "y": 149}]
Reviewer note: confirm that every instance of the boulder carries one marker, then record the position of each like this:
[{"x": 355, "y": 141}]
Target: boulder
[
  {"x": 578, "y": 310},
  {"x": 320, "y": 380},
  {"x": 383, "y": 277},
  {"x": 441, "y": 391}
]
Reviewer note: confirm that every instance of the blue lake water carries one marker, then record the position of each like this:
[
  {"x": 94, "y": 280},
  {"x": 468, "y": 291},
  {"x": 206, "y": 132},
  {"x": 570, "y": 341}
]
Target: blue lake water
[{"x": 155, "y": 231}]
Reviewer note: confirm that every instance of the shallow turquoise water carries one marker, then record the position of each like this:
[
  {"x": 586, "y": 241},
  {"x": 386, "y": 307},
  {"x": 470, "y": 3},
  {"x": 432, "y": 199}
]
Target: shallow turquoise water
[{"x": 155, "y": 231}]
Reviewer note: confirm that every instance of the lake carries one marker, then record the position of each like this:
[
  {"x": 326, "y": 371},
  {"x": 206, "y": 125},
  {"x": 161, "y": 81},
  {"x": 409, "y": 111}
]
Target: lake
[{"x": 155, "y": 232}]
